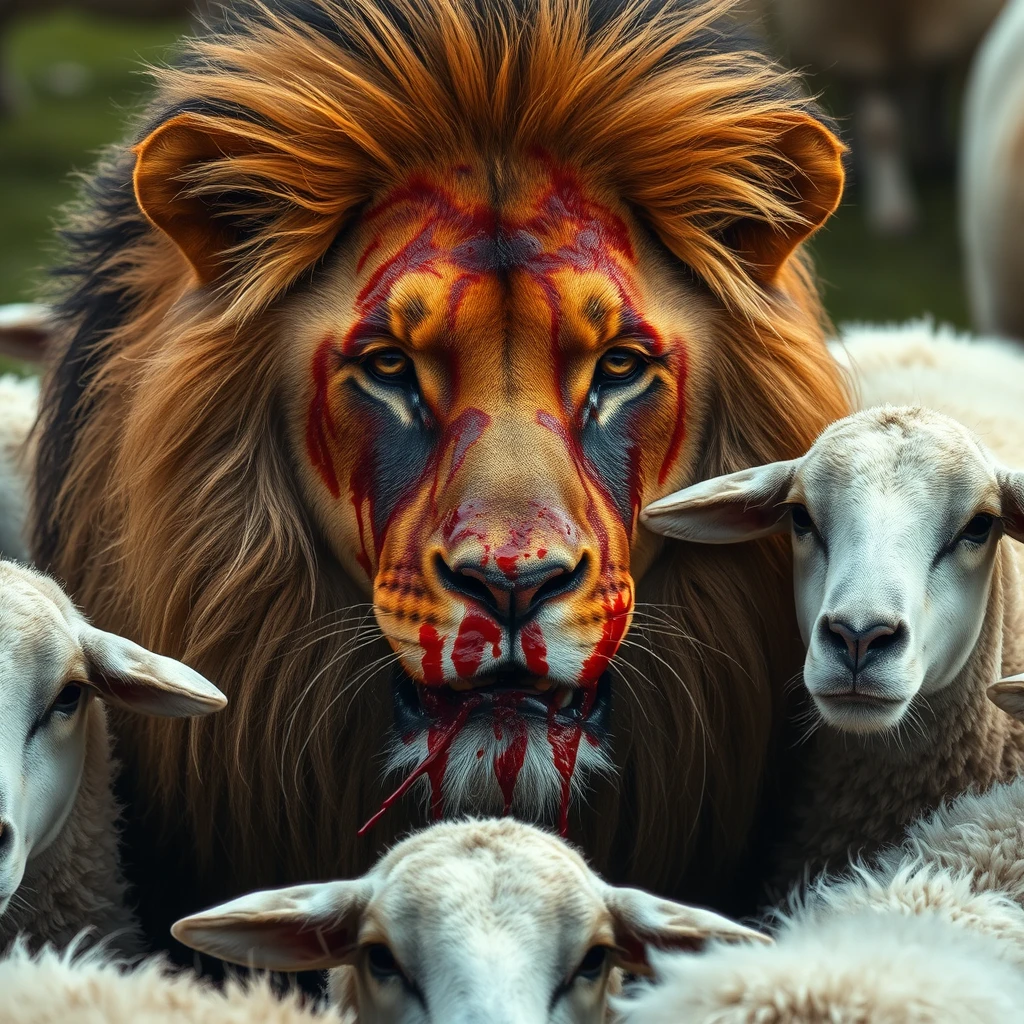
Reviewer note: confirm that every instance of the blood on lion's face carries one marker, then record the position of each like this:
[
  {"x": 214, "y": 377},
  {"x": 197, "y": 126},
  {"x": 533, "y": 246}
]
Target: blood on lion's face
[{"x": 490, "y": 387}]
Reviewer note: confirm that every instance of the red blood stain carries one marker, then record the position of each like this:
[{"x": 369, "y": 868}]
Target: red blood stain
[
  {"x": 535, "y": 650},
  {"x": 507, "y": 564},
  {"x": 679, "y": 430},
  {"x": 612, "y": 632},
  {"x": 565, "y": 744},
  {"x": 509, "y": 763},
  {"x": 541, "y": 552},
  {"x": 475, "y": 633},
  {"x": 359, "y": 484},
  {"x": 320, "y": 428},
  {"x": 433, "y": 648},
  {"x": 439, "y": 741}
]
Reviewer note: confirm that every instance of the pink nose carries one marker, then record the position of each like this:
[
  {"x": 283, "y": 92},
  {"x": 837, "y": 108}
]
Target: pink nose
[{"x": 512, "y": 596}]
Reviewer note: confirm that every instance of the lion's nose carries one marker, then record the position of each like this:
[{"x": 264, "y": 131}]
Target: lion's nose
[{"x": 512, "y": 595}]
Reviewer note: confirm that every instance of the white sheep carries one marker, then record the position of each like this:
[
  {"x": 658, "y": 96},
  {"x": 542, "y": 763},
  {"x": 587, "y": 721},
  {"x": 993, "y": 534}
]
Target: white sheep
[
  {"x": 991, "y": 187},
  {"x": 59, "y": 870},
  {"x": 871, "y": 966},
  {"x": 479, "y": 920},
  {"x": 909, "y": 594},
  {"x": 19, "y": 399},
  {"x": 93, "y": 989}
]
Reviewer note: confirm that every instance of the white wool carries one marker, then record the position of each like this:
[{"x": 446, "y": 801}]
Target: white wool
[
  {"x": 867, "y": 967},
  {"x": 70, "y": 988},
  {"x": 978, "y": 381},
  {"x": 19, "y": 399}
]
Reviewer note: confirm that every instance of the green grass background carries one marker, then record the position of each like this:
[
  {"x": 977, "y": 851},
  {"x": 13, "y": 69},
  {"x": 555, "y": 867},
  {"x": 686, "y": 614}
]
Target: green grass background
[{"x": 865, "y": 278}]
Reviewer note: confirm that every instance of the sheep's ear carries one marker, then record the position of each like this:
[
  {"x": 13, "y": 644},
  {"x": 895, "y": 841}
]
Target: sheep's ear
[
  {"x": 165, "y": 166},
  {"x": 643, "y": 921},
  {"x": 302, "y": 928},
  {"x": 1011, "y": 485},
  {"x": 808, "y": 179},
  {"x": 127, "y": 675},
  {"x": 726, "y": 509},
  {"x": 1008, "y": 694}
]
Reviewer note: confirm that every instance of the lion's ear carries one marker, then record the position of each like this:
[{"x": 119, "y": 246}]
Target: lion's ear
[
  {"x": 810, "y": 185},
  {"x": 164, "y": 162}
]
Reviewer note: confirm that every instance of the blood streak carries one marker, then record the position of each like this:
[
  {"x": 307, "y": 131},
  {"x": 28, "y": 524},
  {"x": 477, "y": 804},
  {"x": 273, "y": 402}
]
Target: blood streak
[
  {"x": 320, "y": 428},
  {"x": 439, "y": 742},
  {"x": 509, "y": 763},
  {"x": 612, "y": 632},
  {"x": 507, "y": 564},
  {"x": 433, "y": 648},
  {"x": 679, "y": 430},
  {"x": 475, "y": 633},
  {"x": 565, "y": 744},
  {"x": 535, "y": 650}
]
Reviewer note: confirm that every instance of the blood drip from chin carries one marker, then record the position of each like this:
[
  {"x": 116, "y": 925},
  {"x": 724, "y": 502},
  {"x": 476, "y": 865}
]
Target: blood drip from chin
[
  {"x": 565, "y": 745},
  {"x": 450, "y": 721},
  {"x": 509, "y": 763}
]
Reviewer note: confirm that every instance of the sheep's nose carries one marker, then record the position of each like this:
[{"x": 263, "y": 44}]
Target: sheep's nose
[
  {"x": 857, "y": 646},
  {"x": 6, "y": 836}
]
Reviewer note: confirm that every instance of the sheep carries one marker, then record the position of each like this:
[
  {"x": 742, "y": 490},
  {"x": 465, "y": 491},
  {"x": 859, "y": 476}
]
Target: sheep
[
  {"x": 910, "y": 602},
  {"x": 95, "y": 989},
  {"x": 475, "y": 920},
  {"x": 19, "y": 399},
  {"x": 867, "y": 967},
  {"x": 991, "y": 192},
  {"x": 59, "y": 870}
]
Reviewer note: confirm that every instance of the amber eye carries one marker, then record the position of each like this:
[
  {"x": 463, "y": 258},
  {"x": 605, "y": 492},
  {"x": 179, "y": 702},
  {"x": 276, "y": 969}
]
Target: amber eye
[
  {"x": 619, "y": 364},
  {"x": 389, "y": 364}
]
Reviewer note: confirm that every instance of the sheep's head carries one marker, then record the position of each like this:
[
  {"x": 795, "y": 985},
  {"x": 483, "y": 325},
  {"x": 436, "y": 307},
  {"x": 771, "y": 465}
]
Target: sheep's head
[
  {"x": 52, "y": 662},
  {"x": 490, "y": 920},
  {"x": 895, "y": 514}
]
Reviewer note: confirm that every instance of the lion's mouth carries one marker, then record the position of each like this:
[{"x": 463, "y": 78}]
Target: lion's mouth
[{"x": 509, "y": 705}]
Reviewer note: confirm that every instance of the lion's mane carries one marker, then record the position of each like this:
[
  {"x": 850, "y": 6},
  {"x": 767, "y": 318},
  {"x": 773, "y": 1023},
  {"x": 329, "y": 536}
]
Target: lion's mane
[{"x": 166, "y": 497}]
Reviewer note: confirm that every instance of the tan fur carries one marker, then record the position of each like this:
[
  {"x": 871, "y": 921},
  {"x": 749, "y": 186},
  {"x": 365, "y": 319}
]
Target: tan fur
[{"x": 180, "y": 521}]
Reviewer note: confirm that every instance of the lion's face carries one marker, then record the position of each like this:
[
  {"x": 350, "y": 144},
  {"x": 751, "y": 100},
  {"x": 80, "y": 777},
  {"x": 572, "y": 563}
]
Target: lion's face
[{"x": 494, "y": 381}]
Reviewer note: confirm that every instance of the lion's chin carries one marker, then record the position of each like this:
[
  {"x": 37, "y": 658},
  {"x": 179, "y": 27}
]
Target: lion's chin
[{"x": 499, "y": 749}]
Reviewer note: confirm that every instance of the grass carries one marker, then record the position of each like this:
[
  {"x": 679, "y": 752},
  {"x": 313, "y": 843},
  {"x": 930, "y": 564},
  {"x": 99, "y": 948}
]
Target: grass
[{"x": 865, "y": 278}]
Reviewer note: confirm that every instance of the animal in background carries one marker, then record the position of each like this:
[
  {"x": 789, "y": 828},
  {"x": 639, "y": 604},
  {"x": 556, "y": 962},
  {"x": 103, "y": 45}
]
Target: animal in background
[
  {"x": 909, "y": 590},
  {"x": 59, "y": 865},
  {"x": 991, "y": 188},
  {"x": 478, "y": 920},
  {"x": 880, "y": 50}
]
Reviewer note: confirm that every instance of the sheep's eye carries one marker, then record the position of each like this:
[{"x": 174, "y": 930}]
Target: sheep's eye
[
  {"x": 67, "y": 701},
  {"x": 389, "y": 365},
  {"x": 618, "y": 366},
  {"x": 382, "y": 963},
  {"x": 802, "y": 521},
  {"x": 978, "y": 529},
  {"x": 593, "y": 963}
]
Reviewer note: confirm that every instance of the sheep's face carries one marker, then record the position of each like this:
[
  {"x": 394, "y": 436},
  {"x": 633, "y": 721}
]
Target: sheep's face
[
  {"x": 52, "y": 664},
  {"x": 895, "y": 516},
  {"x": 472, "y": 921}
]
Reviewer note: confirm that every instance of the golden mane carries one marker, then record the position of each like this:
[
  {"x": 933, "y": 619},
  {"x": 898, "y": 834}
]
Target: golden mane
[{"x": 165, "y": 495}]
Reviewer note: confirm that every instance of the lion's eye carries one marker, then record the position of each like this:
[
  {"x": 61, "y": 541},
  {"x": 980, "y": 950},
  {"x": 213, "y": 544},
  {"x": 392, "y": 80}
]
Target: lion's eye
[
  {"x": 618, "y": 365},
  {"x": 389, "y": 365},
  {"x": 978, "y": 529}
]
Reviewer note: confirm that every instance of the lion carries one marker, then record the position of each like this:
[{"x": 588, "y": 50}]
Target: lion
[{"x": 372, "y": 347}]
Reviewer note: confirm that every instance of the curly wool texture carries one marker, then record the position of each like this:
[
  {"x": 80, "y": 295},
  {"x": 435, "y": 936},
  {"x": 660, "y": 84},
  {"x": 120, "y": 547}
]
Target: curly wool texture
[
  {"x": 76, "y": 883},
  {"x": 49, "y": 987},
  {"x": 19, "y": 400},
  {"x": 863, "y": 968}
]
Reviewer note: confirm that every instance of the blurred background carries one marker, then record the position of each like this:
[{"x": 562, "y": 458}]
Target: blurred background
[{"x": 892, "y": 72}]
